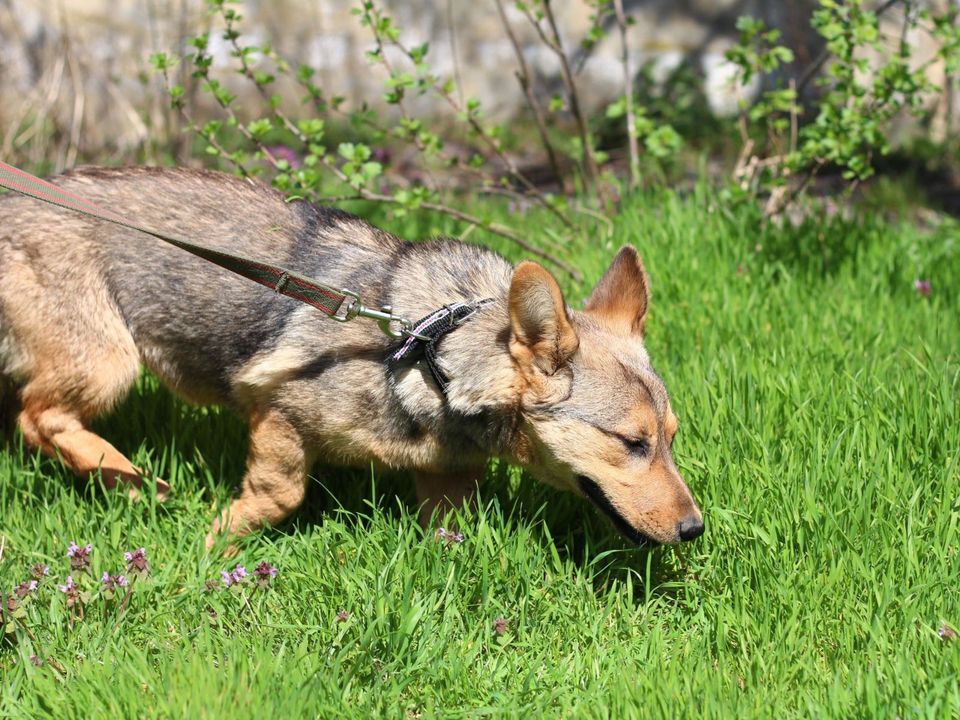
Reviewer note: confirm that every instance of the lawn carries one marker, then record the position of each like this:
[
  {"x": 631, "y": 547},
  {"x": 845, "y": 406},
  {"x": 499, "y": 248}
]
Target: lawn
[{"x": 817, "y": 392}]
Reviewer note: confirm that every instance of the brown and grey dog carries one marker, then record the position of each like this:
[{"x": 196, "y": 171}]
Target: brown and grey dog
[{"x": 569, "y": 395}]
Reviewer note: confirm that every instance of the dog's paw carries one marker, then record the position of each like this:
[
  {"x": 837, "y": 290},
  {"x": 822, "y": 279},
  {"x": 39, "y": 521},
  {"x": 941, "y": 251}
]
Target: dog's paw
[{"x": 163, "y": 490}]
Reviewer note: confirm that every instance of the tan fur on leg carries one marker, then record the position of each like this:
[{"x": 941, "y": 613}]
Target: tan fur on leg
[
  {"x": 60, "y": 433},
  {"x": 275, "y": 482}
]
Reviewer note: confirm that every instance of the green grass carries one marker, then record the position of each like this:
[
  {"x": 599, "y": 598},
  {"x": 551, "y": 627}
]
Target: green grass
[{"x": 820, "y": 431}]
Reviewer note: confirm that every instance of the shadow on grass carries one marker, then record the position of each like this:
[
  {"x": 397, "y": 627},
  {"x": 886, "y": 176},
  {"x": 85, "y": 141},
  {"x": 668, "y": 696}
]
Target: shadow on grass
[
  {"x": 819, "y": 246},
  {"x": 204, "y": 449}
]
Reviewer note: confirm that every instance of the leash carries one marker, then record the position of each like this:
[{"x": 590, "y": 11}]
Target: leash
[
  {"x": 421, "y": 338},
  {"x": 337, "y": 303}
]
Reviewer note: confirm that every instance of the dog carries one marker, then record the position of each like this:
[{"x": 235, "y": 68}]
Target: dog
[{"x": 569, "y": 395}]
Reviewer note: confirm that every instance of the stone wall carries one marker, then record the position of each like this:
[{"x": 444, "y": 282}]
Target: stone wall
[{"x": 82, "y": 65}]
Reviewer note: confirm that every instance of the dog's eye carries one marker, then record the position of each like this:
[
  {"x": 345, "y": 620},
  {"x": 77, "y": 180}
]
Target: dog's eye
[{"x": 637, "y": 446}]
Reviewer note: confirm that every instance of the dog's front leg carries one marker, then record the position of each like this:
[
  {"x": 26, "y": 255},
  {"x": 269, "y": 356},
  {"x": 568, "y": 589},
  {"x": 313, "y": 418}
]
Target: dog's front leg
[
  {"x": 445, "y": 492},
  {"x": 275, "y": 482}
]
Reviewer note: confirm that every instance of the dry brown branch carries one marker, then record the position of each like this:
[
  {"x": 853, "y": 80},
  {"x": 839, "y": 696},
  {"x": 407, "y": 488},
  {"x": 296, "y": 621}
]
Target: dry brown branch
[
  {"x": 554, "y": 42},
  {"x": 366, "y": 194},
  {"x": 526, "y": 84}
]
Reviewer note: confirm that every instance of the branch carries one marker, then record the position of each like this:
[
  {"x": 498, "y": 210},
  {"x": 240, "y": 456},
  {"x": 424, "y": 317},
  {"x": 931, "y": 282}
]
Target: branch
[
  {"x": 818, "y": 62},
  {"x": 524, "y": 78},
  {"x": 556, "y": 45},
  {"x": 628, "y": 89},
  {"x": 365, "y": 194}
]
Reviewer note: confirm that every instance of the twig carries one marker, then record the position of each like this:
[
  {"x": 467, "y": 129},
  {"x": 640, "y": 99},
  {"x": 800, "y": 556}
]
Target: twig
[
  {"x": 524, "y": 78},
  {"x": 556, "y": 45},
  {"x": 453, "y": 50},
  {"x": 628, "y": 89},
  {"x": 814, "y": 67},
  {"x": 779, "y": 202},
  {"x": 365, "y": 194}
]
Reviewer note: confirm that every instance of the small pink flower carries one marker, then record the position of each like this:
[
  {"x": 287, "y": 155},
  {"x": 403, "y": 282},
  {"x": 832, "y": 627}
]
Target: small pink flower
[
  {"x": 236, "y": 577},
  {"x": 113, "y": 582},
  {"x": 79, "y": 556},
  {"x": 264, "y": 573},
  {"x": 137, "y": 562},
  {"x": 922, "y": 287},
  {"x": 343, "y": 616},
  {"x": 450, "y": 537},
  {"x": 282, "y": 152}
]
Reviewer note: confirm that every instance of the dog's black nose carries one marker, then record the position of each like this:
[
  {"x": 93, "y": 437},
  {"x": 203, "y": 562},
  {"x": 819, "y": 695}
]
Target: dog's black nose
[{"x": 690, "y": 528}]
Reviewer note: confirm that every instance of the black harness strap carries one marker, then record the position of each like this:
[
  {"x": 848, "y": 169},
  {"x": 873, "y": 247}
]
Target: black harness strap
[{"x": 427, "y": 333}]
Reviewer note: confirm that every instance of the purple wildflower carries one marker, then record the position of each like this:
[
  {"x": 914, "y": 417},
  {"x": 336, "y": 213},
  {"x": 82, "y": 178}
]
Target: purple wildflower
[
  {"x": 450, "y": 537},
  {"x": 282, "y": 152},
  {"x": 264, "y": 573},
  {"x": 24, "y": 589},
  {"x": 36, "y": 661},
  {"x": 79, "y": 556},
  {"x": 381, "y": 155},
  {"x": 923, "y": 287},
  {"x": 343, "y": 616},
  {"x": 39, "y": 571},
  {"x": 947, "y": 633},
  {"x": 137, "y": 562},
  {"x": 236, "y": 577},
  {"x": 113, "y": 582},
  {"x": 20, "y": 592},
  {"x": 71, "y": 591},
  {"x": 500, "y": 626}
]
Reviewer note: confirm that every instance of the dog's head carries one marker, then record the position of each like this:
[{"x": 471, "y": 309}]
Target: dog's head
[{"x": 597, "y": 418}]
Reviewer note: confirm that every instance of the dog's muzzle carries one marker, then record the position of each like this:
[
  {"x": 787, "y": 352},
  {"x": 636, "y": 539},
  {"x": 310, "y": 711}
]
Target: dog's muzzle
[{"x": 592, "y": 490}]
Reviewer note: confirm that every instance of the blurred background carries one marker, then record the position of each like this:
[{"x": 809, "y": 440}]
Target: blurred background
[{"x": 77, "y": 84}]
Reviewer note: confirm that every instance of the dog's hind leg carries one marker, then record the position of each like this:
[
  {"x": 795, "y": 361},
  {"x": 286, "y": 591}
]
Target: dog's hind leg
[
  {"x": 276, "y": 478},
  {"x": 66, "y": 388},
  {"x": 70, "y": 348},
  {"x": 57, "y": 423}
]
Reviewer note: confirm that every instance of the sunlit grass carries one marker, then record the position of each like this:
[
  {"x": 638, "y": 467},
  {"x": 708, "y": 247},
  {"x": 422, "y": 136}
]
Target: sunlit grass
[{"x": 820, "y": 430}]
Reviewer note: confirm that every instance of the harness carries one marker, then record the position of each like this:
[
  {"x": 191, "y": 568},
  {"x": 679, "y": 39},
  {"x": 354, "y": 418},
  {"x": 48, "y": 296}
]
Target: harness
[
  {"x": 420, "y": 338},
  {"x": 427, "y": 332}
]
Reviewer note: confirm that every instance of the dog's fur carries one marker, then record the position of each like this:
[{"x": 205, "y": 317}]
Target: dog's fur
[{"x": 569, "y": 395}]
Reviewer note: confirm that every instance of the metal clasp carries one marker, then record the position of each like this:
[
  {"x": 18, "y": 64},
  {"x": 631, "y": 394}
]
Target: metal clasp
[
  {"x": 386, "y": 319},
  {"x": 349, "y": 308},
  {"x": 352, "y": 307}
]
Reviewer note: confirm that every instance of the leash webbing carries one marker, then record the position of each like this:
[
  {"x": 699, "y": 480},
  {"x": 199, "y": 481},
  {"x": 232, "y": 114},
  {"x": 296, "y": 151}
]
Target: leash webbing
[
  {"x": 328, "y": 300},
  {"x": 340, "y": 304}
]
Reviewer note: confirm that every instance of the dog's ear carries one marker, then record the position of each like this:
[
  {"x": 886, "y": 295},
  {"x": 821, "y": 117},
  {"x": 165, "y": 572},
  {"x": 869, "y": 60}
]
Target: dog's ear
[
  {"x": 541, "y": 333},
  {"x": 622, "y": 296}
]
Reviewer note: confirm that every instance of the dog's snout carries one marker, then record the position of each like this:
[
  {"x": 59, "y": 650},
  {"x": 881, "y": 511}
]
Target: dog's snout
[{"x": 691, "y": 527}]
